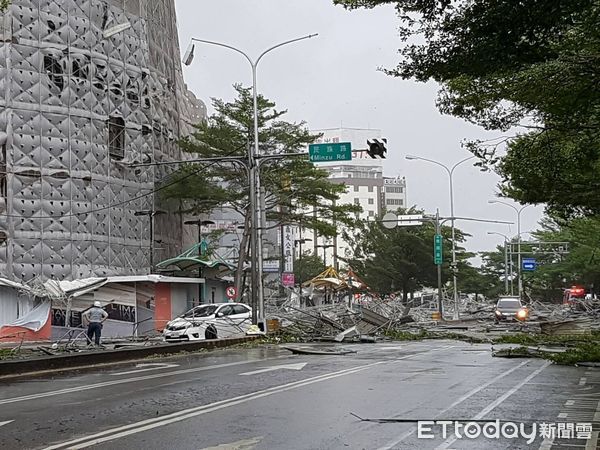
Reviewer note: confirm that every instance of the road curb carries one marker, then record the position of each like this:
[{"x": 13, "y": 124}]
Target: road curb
[{"x": 80, "y": 360}]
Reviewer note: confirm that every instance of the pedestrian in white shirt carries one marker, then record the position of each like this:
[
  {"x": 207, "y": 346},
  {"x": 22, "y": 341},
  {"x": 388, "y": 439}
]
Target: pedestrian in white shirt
[{"x": 95, "y": 317}]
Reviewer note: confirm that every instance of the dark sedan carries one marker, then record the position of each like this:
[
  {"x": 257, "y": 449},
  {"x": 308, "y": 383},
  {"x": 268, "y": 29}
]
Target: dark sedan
[{"x": 509, "y": 308}]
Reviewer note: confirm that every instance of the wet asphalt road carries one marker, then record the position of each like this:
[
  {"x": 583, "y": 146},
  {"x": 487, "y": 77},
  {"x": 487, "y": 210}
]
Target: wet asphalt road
[{"x": 240, "y": 399}]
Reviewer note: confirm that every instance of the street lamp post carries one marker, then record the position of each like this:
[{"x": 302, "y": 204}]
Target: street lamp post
[
  {"x": 254, "y": 175},
  {"x": 450, "y": 171},
  {"x": 505, "y": 260},
  {"x": 150, "y": 213},
  {"x": 518, "y": 211}
]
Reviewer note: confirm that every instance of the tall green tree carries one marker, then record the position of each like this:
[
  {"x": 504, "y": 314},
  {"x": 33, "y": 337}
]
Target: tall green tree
[
  {"x": 291, "y": 185},
  {"x": 531, "y": 64},
  {"x": 401, "y": 259},
  {"x": 308, "y": 267},
  {"x": 488, "y": 279},
  {"x": 581, "y": 265}
]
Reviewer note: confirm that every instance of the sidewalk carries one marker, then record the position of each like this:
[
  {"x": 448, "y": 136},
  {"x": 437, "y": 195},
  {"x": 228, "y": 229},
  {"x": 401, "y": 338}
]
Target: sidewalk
[{"x": 22, "y": 365}]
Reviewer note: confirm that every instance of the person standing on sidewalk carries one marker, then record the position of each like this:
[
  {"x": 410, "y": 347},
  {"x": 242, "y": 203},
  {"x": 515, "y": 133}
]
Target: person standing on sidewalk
[{"x": 95, "y": 317}]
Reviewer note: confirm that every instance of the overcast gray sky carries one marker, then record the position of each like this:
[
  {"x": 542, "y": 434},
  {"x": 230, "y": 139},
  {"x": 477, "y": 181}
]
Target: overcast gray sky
[{"x": 332, "y": 80}]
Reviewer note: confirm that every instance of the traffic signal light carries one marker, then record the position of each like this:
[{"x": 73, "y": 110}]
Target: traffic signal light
[{"x": 377, "y": 147}]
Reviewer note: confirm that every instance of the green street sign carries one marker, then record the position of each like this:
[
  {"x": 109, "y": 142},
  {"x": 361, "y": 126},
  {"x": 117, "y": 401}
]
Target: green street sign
[
  {"x": 335, "y": 151},
  {"x": 437, "y": 249}
]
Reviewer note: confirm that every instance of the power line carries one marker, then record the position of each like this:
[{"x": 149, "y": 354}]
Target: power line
[{"x": 124, "y": 202}]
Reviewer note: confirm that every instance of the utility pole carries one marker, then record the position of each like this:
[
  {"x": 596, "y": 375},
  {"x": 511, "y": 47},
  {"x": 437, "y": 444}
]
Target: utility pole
[
  {"x": 450, "y": 171},
  {"x": 518, "y": 211},
  {"x": 256, "y": 216},
  {"x": 256, "y": 202}
]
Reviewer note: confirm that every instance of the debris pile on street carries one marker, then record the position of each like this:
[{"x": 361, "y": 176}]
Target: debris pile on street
[{"x": 340, "y": 308}]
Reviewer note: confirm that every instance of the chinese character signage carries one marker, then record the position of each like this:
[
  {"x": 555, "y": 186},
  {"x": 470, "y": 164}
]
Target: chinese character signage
[{"x": 288, "y": 249}]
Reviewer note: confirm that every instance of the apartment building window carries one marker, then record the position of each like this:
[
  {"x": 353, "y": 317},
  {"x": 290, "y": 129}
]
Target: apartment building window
[
  {"x": 371, "y": 213},
  {"x": 370, "y": 188},
  {"x": 355, "y": 188},
  {"x": 371, "y": 201},
  {"x": 394, "y": 189},
  {"x": 116, "y": 137},
  {"x": 356, "y": 201}
]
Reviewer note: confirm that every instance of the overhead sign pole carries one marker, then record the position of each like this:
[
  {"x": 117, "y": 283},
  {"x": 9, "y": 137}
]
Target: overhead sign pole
[{"x": 391, "y": 220}]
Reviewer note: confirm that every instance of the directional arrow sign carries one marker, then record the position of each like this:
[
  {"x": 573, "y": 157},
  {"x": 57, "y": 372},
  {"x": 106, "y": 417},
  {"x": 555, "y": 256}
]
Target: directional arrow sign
[
  {"x": 298, "y": 366},
  {"x": 5, "y": 422},
  {"x": 146, "y": 367},
  {"x": 528, "y": 264}
]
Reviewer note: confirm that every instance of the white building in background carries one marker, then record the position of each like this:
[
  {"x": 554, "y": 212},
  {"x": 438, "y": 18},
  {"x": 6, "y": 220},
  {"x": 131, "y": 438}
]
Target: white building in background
[
  {"x": 366, "y": 186},
  {"x": 394, "y": 193}
]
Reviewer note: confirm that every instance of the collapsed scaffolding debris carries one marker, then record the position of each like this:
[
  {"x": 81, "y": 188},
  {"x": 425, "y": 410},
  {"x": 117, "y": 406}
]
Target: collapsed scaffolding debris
[{"x": 341, "y": 307}]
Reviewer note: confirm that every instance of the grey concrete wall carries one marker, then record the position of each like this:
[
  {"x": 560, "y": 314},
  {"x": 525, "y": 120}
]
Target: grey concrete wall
[{"x": 66, "y": 204}]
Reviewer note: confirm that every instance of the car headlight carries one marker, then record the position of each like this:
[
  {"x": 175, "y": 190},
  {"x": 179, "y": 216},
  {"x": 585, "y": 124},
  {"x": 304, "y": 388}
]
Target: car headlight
[
  {"x": 522, "y": 314},
  {"x": 498, "y": 313}
]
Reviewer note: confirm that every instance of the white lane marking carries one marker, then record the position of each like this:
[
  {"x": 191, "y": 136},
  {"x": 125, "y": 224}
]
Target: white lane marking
[
  {"x": 386, "y": 348},
  {"x": 148, "y": 424},
  {"x": 485, "y": 411},
  {"x": 298, "y": 366},
  {"x": 570, "y": 403},
  {"x": 563, "y": 415},
  {"x": 146, "y": 368},
  {"x": 582, "y": 381},
  {"x": 246, "y": 444},
  {"x": 128, "y": 380},
  {"x": 391, "y": 445},
  {"x": 6, "y": 422}
]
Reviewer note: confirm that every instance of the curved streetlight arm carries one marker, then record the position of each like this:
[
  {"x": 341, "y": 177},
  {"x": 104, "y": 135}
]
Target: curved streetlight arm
[
  {"x": 254, "y": 63},
  {"x": 226, "y": 46},
  {"x": 409, "y": 157},
  {"x": 460, "y": 162},
  {"x": 491, "y": 202},
  {"x": 308, "y": 36},
  {"x": 499, "y": 234}
]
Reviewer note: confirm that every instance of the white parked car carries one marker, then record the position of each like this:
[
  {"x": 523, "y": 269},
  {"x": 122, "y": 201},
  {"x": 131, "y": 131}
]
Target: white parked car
[{"x": 212, "y": 321}]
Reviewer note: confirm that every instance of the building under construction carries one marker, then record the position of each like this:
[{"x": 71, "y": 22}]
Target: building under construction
[{"x": 88, "y": 88}]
